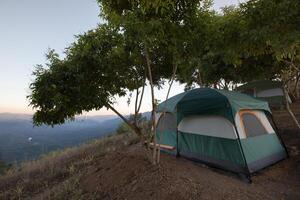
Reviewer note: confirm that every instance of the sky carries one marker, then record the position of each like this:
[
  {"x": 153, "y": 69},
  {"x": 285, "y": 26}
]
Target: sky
[{"x": 29, "y": 27}]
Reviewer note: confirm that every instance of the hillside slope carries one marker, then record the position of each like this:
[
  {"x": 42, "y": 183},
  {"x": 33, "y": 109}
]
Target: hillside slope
[
  {"x": 117, "y": 168},
  {"x": 21, "y": 141}
]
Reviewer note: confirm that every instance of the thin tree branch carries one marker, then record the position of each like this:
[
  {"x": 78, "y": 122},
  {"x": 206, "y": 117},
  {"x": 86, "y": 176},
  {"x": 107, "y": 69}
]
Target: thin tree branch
[
  {"x": 136, "y": 99},
  {"x": 296, "y": 86},
  {"x": 133, "y": 127},
  {"x": 288, "y": 107},
  {"x": 292, "y": 65},
  {"x": 135, "y": 106},
  {"x": 199, "y": 79},
  {"x": 141, "y": 97},
  {"x": 220, "y": 85},
  {"x": 172, "y": 79}
]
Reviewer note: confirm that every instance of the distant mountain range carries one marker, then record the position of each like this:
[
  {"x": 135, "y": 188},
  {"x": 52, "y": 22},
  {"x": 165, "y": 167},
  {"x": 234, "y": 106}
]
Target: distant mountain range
[{"x": 20, "y": 141}]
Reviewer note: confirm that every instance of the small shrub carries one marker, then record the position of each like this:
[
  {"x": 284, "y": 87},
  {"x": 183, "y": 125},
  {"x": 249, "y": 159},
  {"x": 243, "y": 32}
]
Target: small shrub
[
  {"x": 19, "y": 191},
  {"x": 123, "y": 129},
  {"x": 71, "y": 169},
  {"x": 4, "y": 167}
]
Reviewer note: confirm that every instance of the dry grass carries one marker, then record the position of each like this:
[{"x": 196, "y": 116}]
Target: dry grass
[{"x": 56, "y": 174}]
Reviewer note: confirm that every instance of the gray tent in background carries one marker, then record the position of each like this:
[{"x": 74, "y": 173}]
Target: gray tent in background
[{"x": 270, "y": 91}]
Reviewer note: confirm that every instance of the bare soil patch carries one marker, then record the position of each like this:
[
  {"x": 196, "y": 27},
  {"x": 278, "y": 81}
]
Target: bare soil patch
[{"x": 128, "y": 175}]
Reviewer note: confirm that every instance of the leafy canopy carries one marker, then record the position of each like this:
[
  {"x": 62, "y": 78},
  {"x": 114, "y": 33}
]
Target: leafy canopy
[
  {"x": 110, "y": 61},
  {"x": 95, "y": 69},
  {"x": 252, "y": 41},
  {"x": 258, "y": 39}
]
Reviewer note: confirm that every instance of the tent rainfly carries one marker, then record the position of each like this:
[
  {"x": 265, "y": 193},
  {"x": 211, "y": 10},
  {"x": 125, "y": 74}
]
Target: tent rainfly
[
  {"x": 224, "y": 129},
  {"x": 266, "y": 90}
]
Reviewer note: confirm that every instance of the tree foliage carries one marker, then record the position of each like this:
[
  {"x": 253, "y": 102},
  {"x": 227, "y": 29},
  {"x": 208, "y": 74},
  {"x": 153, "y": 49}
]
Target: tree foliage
[
  {"x": 95, "y": 70},
  {"x": 142, "y": 42},
  {"x": 257, "y": 40}
]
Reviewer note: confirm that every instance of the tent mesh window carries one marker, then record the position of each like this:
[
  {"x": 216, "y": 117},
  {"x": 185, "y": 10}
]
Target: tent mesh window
[
  {"x": 252, "y": 125},
  {"x": 167, "y": 122}
]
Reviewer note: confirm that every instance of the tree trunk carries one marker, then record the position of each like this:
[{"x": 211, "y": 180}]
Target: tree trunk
[
  {"x": 153, "y": 104},
  {"x": 141, "y": 97},
  {"x": 199, "y": 79},
  {"x": 296, "y": 91},
  {"x": 135, "y": 106},
  {"x": 288, "y": 107},
  {"x": 170, "y": 86}
]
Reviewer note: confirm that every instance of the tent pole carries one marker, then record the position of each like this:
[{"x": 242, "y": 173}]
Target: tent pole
[
  {"x": 243, "y": 154},
  {"x": 278, "y": 135},
  {"x": 177, "y": 152},
  {"x": 240, "y": 144}
]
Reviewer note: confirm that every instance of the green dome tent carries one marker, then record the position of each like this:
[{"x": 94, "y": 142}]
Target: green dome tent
[{"x": 221, "y": 128}]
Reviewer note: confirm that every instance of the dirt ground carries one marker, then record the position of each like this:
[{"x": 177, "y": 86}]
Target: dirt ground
[
  {"x": 124, "y": 172},
  {"x": 128, "y": 175}
]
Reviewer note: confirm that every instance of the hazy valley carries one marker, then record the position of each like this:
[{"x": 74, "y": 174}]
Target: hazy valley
[{"x": 20, "y": 141}]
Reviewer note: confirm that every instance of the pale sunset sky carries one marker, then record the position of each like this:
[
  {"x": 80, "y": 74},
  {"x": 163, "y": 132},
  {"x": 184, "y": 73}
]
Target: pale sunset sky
[{"x": 29, "y": 27}]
